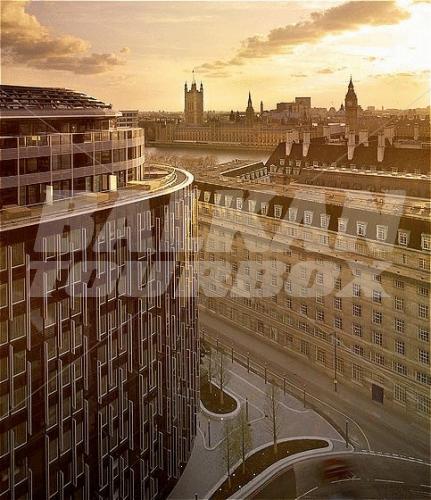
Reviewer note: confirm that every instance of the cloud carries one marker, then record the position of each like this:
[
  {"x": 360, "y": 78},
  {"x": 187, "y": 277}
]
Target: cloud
[
  {"x": 326, "y": 71},
  {"x": 125, "y": 50},
  {"x": 334, "y": 21},
  {"x": 299, "y": 75},
  {"x": 25, "y": 41}
]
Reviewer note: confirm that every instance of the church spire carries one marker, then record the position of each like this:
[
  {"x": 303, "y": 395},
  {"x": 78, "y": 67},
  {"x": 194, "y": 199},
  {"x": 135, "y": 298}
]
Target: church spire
[{"x": 249, "y": 99}]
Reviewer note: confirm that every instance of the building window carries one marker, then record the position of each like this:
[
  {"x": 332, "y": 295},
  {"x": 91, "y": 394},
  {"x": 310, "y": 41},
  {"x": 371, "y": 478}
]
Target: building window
[
  {"x": 319, "y": 278},
  {"x": 400, "y": 368},
  {"x": 423, "y": 291},
  {"x": 320, "y": 315},
  {"x": 292, "y": 214},
  {"x": 377, "y": 277},
  {"x": 423, "y": 311},
  {"x": 338, "y": 303},
  {"x": 426, "y": 241},
  {"x": 423, "y": 404},
  {"x": 356, "y": 290},
  {"x": 379, "y": 359},
  {"x": 277, "y": 211},
  {"x": 264, "y": 208},
  {"x": 377, "y": 338},
  {"x": 403, "y": 238},
  {"x": 337, "y": 283},
  {"x": 400, "y": 393},
  {"x": 338, "y": 322},
  {"x": 320, "y": 356},
  {"x": 305, "y": 347},
  {"x": 359, "y": 350},
  {"x": 357, "y": 330},
  {"x": 357, "y": 373},
  {"x": 324, "y": 221},
  {"x": 239, "y": 203},
  {"x": 422, "y": 263},
  {"x": 423, "y": 378},
  {"x": 377, "y": 296},
  {"x": 381, "y": 232},
  {"x": 361, "y": 228},
  {"x": 357, "y": 310},
  {"x": 399, "y": 325},
  {"x": 308, "y": 217},
  {"x": 377, "y": 317},
  {"x": 398, "y": 303},
  {"x": 400, "y": 347},
  {"x": 304, "y": 309},
  {"x": 424, "y": 357},
  {"x": 423, "y": 334},
  {"x": 342, "y": 225}
]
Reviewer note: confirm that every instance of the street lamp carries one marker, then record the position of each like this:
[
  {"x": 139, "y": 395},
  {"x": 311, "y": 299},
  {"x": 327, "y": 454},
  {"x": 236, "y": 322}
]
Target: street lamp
[{"x": 335, "y": 342}]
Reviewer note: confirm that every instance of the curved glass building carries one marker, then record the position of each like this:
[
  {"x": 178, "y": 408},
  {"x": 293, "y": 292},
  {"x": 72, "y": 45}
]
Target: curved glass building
[{"x": 98, "y": 309}]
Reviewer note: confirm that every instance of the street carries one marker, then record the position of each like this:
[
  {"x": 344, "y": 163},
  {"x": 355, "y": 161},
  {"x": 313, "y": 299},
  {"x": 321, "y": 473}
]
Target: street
[
  {"x": 373, "y": 477},
  {"x": 372, "y": 426}
]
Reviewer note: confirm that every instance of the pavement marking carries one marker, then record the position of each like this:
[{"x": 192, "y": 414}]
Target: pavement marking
[
  {"x": 389, "y": 481},
  {"x": 306, "y": 493}
]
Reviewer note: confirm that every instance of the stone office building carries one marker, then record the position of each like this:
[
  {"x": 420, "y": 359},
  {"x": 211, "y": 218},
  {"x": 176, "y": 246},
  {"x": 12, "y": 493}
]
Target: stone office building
[
  {"x": 311, "y": 262},
  {"x": 98, "y": 337}
]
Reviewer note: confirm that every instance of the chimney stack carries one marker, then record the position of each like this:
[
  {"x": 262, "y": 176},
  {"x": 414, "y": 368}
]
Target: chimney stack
[
  {"x": 416, "y": 131},
  {"x": 363, "y": 137},
  {"x": 351, "y": 145},
  {"x": 389, "y": 134},
  {"x": 289, "y": 142},
  {"x": 346, "y": 130},
  {"x": 112, "y": 179},
  {"x": 380, "y": 146},
  {"x": 305, "y": 143}
]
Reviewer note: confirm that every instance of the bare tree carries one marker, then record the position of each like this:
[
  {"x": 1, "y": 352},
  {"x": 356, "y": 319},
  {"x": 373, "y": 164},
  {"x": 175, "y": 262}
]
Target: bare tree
[
  {"x": 221, "y": 372},
  {"x": 244, "y": 435},
  {"x": 272, "y": 412},
  {"x": 230, "y": 448}
]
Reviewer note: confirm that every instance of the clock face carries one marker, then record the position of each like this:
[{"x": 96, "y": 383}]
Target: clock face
[{"x": 349, "y": 103}]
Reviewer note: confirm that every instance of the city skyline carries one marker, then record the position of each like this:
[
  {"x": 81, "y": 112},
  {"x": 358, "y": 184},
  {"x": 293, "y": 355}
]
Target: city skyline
[{"x": 276, "y": 53}]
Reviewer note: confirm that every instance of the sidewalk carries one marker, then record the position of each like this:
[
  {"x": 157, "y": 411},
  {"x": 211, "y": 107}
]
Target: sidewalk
[
  {"x": 377, "y": 427},
  {"x": 205, "y": 467}
]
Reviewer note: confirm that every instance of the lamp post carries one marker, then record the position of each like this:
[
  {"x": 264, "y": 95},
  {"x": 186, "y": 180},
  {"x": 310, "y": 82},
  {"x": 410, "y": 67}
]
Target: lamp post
[{"x": 334, "y": 336}]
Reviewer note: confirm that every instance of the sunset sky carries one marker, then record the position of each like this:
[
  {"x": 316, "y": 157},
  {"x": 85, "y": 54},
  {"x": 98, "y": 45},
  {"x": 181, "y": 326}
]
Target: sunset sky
[{"x": 139, "y": 54}]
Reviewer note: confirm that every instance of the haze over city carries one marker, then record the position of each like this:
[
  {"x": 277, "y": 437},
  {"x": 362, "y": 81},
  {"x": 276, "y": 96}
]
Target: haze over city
[{"x": 135, "y": 54}]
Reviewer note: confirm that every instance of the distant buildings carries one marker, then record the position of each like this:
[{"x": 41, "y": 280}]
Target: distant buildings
[
  {"x": 98, "y": 316},
  {"x": 328, "y": 242},
  {"x": 193, "y": 104},
  {"x": 128, "y": 118}
]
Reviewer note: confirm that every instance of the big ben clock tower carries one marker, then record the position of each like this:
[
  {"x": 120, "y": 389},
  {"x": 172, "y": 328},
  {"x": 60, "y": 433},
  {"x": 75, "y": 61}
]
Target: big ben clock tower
[{"x": 351, "y": 107}]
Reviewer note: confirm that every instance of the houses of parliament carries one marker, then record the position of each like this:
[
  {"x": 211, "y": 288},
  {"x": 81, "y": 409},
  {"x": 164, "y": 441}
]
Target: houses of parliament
[{"x": 267, "y": 128}]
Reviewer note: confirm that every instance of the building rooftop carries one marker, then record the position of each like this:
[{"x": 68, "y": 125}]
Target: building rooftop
[
  {"x": 159, "y": 180},
  {"x": 19, "y": 101}
]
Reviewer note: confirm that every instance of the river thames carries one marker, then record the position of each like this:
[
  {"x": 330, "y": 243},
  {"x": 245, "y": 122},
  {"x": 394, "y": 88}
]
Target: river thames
[{"x": 221, "y": 155}]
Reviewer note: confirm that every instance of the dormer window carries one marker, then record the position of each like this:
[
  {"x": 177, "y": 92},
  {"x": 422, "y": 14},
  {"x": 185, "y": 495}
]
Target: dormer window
[
  {"x": 227, "y": 200},
  {"x": 403, "y": 237},
  {"x": 251, "y": 205},
  {"x": 292, "y": 214},
  {"x": 277, "y": 211},
  {"x": 324, "y": 221},
  {"x": 361, "y": 228},
  {"x": 207, "y": 196},
  {"x": 308, "y": 217},
  {"x": 239, "y": 203},
  {"x": 381, "y": 233},
  {"x": 217, "y": 198},
  {"x": 426, "y": 241},
  {"x": 264, "y": 208},
  {"x": 342, "y": 224}
]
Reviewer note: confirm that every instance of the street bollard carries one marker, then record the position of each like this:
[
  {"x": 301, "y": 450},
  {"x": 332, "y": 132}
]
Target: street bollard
[
  {"x": 248, "y": 363},
  {"x": 209, "y": 433},
  {"x": 231, "y": 353},
  {"x": 265, "y": 374}
]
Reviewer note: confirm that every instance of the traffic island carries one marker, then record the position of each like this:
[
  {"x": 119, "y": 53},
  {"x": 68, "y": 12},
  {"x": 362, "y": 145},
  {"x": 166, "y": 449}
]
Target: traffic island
[
  {"x": 260, "y": 460},
  {"x": 217, "y": 402}
]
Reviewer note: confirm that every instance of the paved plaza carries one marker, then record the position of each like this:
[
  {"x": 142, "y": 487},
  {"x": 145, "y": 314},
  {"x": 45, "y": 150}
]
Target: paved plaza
[{"x": 205, "y": 468}]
